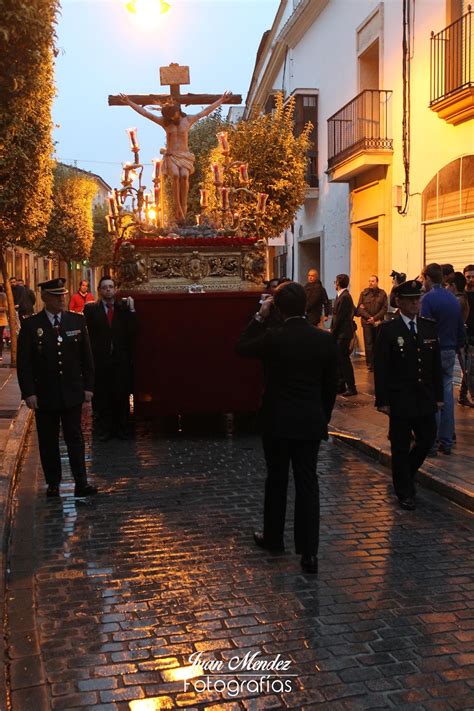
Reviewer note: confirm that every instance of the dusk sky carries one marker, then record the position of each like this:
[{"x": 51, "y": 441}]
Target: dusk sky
[{"x": 103, "y": 50}]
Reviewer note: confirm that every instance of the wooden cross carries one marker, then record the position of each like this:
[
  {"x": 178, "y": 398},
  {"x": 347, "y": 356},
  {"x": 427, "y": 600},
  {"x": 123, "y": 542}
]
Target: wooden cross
[{"x": 174, "y": 76}]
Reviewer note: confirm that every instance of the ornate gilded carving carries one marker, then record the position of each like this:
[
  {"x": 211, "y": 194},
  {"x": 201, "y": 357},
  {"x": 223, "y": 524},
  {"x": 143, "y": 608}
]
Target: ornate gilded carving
[
  {"x": 131, "y": 268},
  {"x": 195, "y": 267},
  {"x": 254, "y": 263}
]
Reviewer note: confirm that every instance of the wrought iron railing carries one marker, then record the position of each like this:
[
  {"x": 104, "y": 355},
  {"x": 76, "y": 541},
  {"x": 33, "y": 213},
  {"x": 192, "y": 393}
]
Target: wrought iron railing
[
  {"x": 361, "y": 125},
  {"x": 452, "y": 58}
]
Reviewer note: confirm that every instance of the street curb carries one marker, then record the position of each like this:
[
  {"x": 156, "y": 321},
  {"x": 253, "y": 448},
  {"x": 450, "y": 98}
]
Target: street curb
[
  {"x": 8, "y": 473},
  {"x": 425, "y": 478}
]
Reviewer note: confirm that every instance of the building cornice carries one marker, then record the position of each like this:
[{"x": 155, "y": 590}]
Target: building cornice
[
  {"x": 267, "y": 50},
  {"x": 300, "y": 21}
]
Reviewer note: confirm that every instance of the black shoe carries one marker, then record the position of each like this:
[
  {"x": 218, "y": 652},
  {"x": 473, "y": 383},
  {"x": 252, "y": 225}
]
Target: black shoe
[
  {"x": 260, "y": 542},
  {"x": 309, "y": 563},
  {"x": 350, "y": 392},
  {"x": 408, "y": 504},
  {"x": 444, "y": 449},
  {"x": 52, "y": 490},
  {"x": 85, "y": 490}
]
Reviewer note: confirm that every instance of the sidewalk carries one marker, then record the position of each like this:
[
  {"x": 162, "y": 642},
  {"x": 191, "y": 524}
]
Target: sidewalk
[
  {"x": 356, "y": 422},
  {"x": 14, "y": 421}
]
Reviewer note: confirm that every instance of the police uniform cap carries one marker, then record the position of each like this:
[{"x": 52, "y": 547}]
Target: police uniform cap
[
  {"x": 53, "y": 286},
  {"x": 411, "y": 287}
]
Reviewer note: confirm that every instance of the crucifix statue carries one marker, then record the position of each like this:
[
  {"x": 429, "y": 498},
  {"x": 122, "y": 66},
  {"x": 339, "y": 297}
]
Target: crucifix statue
[{"x": 178, "y": 161}]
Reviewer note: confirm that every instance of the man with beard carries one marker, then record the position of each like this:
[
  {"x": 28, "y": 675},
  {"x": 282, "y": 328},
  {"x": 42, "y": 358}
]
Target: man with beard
[{"x": 178, "y": 161}]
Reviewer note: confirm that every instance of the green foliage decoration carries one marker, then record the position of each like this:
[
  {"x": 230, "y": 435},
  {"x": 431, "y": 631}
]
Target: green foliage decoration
[
  {"x": 26, "y": 94},
  {"x": 102, "y": 249},
  {"x": 70, "y": 230},
  {"x": 277, "y": 164},
  {"x": 202, "y": 140}
]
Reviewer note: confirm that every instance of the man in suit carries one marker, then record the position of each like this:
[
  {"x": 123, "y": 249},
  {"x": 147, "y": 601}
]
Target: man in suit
[
  {"x": 112, "y": 327},
  {"x": 300, "y": 389},
  {"x": 408, "y": 387},
  {"x": 56, "y": 373},
  {"x": 342, "y": 329}
]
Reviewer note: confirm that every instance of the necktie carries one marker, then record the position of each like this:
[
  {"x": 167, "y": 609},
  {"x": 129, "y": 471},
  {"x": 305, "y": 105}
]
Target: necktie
[
  {"x": 412, "y": 328},
  {"x": 56, "y": 324},
  {"x": 110, "y": 313}
]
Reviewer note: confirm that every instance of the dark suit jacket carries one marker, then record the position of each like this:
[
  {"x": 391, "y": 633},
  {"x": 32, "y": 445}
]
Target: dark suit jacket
[
  {"x": 408, "y": 374},
  {"x": 56, "y": 372},
  {"x": 342, "y": 317},
  {"x": 112, "y": 347},
  {"x": 300, "y": 377}
]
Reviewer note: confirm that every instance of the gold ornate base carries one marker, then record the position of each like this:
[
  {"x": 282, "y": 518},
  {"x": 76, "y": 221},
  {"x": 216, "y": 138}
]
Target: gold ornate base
[{"x": 148, "y": 266}]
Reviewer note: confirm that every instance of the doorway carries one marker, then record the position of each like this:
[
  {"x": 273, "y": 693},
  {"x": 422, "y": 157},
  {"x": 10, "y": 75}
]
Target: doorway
[
  {"x": 364, "y": 256},
  {"x": 309, "y": 253}
]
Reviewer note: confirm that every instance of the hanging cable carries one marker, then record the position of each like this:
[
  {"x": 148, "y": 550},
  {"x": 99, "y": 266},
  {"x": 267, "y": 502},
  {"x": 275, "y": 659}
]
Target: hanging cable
[{"x": 406, "y": 64}]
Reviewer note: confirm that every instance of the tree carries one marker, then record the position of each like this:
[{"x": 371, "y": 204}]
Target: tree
[
  {"x": 26, "y": 94},
  {"x": 277, "y": 165},
  {"x": 202, "y": 140},
  {"x": 70, "y": 230},
  {"x": 102, "y": 249}
]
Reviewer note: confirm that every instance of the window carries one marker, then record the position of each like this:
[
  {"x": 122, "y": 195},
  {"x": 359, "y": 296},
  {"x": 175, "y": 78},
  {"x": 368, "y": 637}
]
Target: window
[
  {"x": 306, "y": 109},
  {"x": 451, "y": 191}
]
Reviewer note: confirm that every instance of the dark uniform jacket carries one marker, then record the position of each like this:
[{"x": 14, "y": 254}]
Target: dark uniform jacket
[
  {"x": 408, "y": 374},
  {"x": 300, "y": 368},
  {"x": 112, "y": 347},
  {"x": 57, "y": 372},
  {"x": 316, "y": 299},
  {"x": 372, "y": 303},
  {"x": 342, "y": 317}
]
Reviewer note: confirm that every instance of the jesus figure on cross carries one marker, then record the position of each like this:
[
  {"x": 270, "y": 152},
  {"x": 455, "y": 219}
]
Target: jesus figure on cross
[{"x": 178, "y": 161}]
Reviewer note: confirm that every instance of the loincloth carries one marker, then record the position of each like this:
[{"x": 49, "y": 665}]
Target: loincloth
[{"x": 183, "y": 160}]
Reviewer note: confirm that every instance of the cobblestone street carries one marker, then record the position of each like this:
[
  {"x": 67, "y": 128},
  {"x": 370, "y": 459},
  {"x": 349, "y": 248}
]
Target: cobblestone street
[{"x": 108, "y": 598}]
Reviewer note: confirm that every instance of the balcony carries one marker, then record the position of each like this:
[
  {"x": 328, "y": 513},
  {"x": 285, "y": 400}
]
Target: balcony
[
  {"x": 452, "y": 71},
  {"x": 358, "y": 136}
]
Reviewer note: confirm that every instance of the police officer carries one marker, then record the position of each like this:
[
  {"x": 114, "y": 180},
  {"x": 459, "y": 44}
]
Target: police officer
[
  {"x": 55, "y": 373},
  {"x": 408, "y": 387}
]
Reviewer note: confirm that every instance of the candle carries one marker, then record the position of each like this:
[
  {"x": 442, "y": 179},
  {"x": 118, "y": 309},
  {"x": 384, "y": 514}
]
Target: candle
[
  {"x": 132, "y": 134},
  {"x": 116, "y": 194},
  {"x": 223, "y": 142},
  {"x": 216, "y": 169},
  {"x": 224, "y": 198},
  {"x": 147, "y": 201},
  {"x": 262, "y": 202},
  {"x": 243, "y": 173},
  {"x": 198, "y": 219},
  {"x": 156, "y": 193},
  {"x": 110, "y": 224},
  {"x": 204, "y": 198},
  {"x": 112, "y": 206},
  {"x": 156, "y": 168}
]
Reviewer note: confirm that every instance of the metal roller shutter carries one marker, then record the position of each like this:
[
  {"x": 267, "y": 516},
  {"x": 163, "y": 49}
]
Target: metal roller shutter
[{"x": 450, "y": 242}]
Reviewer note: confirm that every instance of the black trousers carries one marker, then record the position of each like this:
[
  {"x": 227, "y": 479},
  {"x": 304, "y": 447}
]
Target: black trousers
[
  {"x": 303, "y": 455},
  {"x": 111, "y": 400},
  {"x": 407, "y": 458},
  {"x": 370, "y": 333},
  {"x": 47, "y": 425},
  {"x": 346, "y": 371}
]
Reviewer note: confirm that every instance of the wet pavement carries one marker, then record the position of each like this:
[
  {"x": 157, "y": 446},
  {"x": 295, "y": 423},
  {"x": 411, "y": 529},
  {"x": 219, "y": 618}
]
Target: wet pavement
[{"x": 107, "y": 599}]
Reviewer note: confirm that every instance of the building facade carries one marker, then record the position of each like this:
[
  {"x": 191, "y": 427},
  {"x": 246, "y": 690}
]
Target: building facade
[{"x": 389, "y": 87}]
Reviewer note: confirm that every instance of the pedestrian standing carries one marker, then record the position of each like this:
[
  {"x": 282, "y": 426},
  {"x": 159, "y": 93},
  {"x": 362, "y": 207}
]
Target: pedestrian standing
[
  {"x": 443, "y": 308},
  {"x": 467, "y": 384},
  {"x": 342, "y": 329},
  {"x": 55, "y": 373},
  {"x": 299, "y": 362},
  {"x": 82, "y": 297},
  {"x": 372, "y": 307},
  {"x": 3, "y": 317},
  {"x": 408, "y": 387},
  {"x": 27, "y": 307},
  {"x": 316, "y": 299},
  {"x": 112, "y": 328}
]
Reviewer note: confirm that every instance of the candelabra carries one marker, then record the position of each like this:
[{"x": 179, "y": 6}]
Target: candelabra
[
  {"x": 225, "y": 215},
  {"x": 146, "y": 208}
]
